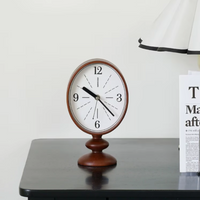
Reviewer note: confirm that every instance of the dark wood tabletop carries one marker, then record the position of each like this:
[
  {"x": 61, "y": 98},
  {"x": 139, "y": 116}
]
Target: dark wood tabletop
[{"x": 146, "y": 169}]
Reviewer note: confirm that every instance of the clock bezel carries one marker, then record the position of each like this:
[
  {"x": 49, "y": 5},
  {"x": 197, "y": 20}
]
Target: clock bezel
[{"x": 77, "y": 70}]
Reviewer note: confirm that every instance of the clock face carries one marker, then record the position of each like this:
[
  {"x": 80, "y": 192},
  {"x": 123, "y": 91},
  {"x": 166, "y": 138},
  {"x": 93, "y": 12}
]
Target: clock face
[{"x": 97, "y": 97}]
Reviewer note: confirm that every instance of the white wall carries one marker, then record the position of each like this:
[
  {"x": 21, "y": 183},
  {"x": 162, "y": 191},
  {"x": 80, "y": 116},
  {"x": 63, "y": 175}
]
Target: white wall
[{"x": 42, "y": 42}]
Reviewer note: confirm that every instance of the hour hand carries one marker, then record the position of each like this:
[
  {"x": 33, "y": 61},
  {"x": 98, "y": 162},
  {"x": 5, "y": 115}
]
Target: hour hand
[
  {"x": 97, "y": 97},
  {"x": 90, "y": 92}
]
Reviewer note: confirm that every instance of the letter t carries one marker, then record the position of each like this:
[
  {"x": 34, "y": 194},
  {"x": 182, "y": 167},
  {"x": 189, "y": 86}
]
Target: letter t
[{"x": 193, "y": 91}]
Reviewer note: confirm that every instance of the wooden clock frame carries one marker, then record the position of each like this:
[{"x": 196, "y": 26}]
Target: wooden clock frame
[{"x": 96, "y": 158}]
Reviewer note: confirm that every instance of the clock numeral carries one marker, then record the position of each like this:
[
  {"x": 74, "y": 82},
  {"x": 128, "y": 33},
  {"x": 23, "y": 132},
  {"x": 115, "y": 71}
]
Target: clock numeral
[
  {"x": 119, "y": 97},
  {"x": 98, "y": 70},
  {"x": 97, "y": 124},
  {"x": 75, "y": 97}
]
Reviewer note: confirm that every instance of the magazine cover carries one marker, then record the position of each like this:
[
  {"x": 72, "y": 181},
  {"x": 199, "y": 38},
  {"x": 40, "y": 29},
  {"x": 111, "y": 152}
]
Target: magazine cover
[{"x": 189, "y": 102}]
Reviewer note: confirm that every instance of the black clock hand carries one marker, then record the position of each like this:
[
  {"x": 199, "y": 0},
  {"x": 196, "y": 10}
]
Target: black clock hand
[
  {"x": 90, "y": 92},
  {"x": 97, "y": 97},
  {"x": 106, "y": 108}
]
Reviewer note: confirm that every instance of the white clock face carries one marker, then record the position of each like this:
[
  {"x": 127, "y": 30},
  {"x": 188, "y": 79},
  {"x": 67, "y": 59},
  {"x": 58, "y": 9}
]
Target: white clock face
[{"x": 97, "y": 97}]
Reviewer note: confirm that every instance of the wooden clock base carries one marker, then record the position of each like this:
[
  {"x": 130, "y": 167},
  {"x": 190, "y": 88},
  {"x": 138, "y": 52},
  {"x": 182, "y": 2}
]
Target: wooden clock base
[{"x": 97, "y": 158}]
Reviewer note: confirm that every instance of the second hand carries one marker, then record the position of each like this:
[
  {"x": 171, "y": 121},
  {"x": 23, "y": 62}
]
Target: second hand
[{"x": 95, "y": 109}]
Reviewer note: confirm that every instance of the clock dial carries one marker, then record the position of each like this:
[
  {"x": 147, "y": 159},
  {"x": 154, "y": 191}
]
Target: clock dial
[{"x": 97, "y": 97}]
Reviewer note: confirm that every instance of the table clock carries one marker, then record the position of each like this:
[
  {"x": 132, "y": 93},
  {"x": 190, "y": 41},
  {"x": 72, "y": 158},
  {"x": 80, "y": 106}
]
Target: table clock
[{"x": 97, "y": 101}]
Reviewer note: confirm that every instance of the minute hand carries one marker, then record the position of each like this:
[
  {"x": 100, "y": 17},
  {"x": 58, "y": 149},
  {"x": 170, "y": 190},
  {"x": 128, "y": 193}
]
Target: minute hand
[
  {"x": 97, "y": 97},
  {"x": 106, "y": 108}
]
